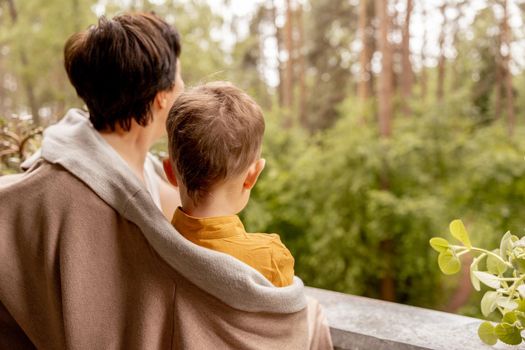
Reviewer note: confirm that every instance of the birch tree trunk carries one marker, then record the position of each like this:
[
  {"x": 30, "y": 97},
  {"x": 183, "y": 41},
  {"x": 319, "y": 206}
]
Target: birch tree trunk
[{"x": 407, "y": 74}]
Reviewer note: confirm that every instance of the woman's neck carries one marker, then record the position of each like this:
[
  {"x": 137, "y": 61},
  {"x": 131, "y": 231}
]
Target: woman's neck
[{"x": 132, "y": 145}]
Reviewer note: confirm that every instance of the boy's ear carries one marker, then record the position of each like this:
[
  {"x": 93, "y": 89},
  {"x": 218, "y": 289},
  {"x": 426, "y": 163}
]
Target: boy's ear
[
  {"x": 253, "y": 174},
  {"x": 168, "y": 169}
]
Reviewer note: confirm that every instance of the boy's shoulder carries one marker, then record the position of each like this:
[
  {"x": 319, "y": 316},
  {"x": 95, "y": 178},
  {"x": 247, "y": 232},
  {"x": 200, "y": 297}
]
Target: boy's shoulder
[
  {"x": 276, "y": 248},
  {"x": 270, "y": 239},
  {"x": 262, "y": 251},
  {"x": 269, "y": 247},
  {"x": 254, "y": 245}
]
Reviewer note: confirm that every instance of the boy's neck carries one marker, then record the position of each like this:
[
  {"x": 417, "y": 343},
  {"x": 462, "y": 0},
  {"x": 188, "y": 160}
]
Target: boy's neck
[
  {"x": 200, "y": 212},
  {"x": 217, "y": 203}
]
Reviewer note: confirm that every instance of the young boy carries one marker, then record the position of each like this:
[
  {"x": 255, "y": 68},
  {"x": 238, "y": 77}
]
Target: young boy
[{"x": 215, "y": 134}]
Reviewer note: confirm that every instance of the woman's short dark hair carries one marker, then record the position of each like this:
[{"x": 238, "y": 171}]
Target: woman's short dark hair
[{"x": 118, "y": 66}]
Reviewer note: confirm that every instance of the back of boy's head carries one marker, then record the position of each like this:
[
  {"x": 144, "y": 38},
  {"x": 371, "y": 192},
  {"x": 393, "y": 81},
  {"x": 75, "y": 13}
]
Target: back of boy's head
[{"x": 215, "y": 132}]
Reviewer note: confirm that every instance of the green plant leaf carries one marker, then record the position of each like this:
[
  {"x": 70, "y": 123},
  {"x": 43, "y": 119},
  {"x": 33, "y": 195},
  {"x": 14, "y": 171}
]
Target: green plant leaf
[
  {"x": 518, "y": 263},
  {"x": 448, "y": 262},
  {"x": 488, "y": 303},
  {"x": 521, "y": 290},
  {"x": 458, "y": 231},
  {"x": 505, "y": 245},
  {"x": 486, "y": 333},
  {"x": 487, "y": 279},
  {"x": 508, "y": 333},
  {"x": 520, "y": 315},
  {"x": 521, "y": 305},
  {"x": 439, "y": 244},
  {"x": 473, "y": 279},
  {"x": 494, "y": 265},
  {"x": 505, "y": 303},
  {"x": 510, "y": 317}
]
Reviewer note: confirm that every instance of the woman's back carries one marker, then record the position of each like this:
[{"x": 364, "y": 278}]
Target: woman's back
[{"x": 76, "y": 274}]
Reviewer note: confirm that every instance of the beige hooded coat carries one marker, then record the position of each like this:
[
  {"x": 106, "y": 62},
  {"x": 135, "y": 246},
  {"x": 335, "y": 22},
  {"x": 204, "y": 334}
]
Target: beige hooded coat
[{"x": 87, "y": 261}]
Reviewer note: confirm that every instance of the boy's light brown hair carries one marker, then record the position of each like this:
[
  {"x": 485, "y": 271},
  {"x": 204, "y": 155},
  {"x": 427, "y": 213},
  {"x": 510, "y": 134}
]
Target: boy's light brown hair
[{"x": 215, "y": 132}]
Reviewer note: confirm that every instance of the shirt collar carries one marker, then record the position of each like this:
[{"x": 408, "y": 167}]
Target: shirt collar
[{"x": 207, "y": 228}]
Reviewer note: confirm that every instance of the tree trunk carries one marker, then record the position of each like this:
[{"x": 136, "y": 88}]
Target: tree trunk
[
  {"x": 385, "y": 83},
  {"x": 406, "y": 77},
  {"x": 506, "y": 56},
  {"x": 30, "y": 91},
  {"x": 364, "y": 91},
  {"x": 385, "y": 87},
  {"x": 396, "y": 28},
  {"x": 456, "y": 82},
  {"x": 12, "y": 10},
  {"x": 424, "y": 78},
  {"x": 28, "y": 85},
  {"x": 442, "y": 59},
  {"x": 301, "y": 66},
  {"x": 499, "y": 81},
  {"x": 280, "y": 68},
  {"x": 288, "y": 35}
]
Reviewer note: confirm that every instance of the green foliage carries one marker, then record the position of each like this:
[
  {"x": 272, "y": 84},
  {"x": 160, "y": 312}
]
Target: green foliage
[
  {"x": 458, "y": 231},
  {"x": 325, "y": 196},
  {"x": 487, "y": 334},
  {"x": 448, "y": 262},
  {"x": 504, "y": 274},
  {"x": 439, "y": 244},
  {"x": 509, "y": 333}
]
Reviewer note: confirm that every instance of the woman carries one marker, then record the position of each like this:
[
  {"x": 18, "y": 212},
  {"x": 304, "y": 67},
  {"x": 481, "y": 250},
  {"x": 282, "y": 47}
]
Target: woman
[{"x": 88, "y": 260}]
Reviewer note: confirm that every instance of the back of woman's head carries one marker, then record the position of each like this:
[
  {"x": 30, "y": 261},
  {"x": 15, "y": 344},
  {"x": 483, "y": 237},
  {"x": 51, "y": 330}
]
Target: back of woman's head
[{"x": 118, "y": 66}]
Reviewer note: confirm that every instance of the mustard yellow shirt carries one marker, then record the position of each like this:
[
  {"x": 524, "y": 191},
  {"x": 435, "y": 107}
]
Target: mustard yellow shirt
[{"x": 264, "y": 252}]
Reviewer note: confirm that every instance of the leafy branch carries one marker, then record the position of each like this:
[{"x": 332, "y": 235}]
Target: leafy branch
[{"x": 504, "y": 274}]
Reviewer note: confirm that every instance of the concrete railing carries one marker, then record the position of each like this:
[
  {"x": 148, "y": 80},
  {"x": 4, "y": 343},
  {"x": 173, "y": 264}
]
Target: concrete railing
[{"x": 358, "y": 323}]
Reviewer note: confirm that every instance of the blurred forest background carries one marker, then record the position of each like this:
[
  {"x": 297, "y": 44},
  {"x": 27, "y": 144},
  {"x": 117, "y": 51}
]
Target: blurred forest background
[{"x": 385, "y": 120}]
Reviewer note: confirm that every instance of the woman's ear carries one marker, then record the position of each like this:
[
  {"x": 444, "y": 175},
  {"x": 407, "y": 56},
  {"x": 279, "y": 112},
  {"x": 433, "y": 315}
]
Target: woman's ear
[
  {"x": 168, "y": 169},
  {"x": 253, "y": 174},
  {"x": 161, "y": 99}
]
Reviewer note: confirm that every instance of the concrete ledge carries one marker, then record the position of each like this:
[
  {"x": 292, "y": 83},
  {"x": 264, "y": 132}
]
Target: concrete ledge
[{"x": 358, "y": 323}]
